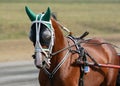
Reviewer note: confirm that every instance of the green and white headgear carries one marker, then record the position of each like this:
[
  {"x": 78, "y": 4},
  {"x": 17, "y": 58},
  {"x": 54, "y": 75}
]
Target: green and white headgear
[{"x": 38, "y": 20}]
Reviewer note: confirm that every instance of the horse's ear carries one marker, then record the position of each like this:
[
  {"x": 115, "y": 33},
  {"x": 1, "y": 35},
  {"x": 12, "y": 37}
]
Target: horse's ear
[
  {"x": 30, "y": 13},
  {"x": 47, "y": 15}
]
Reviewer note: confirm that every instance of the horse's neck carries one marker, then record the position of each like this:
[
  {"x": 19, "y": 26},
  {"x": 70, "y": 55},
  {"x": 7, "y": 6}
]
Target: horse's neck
[
  {"x": 60, "y": 40},
  {"x": 60, "y": 43}
]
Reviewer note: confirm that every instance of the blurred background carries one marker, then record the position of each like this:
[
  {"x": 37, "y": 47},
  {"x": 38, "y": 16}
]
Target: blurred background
[{"x": 101, "y": 18}]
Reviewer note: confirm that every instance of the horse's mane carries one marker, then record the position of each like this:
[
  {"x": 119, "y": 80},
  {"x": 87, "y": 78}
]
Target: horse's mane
[{"x": 54, "y": 16}]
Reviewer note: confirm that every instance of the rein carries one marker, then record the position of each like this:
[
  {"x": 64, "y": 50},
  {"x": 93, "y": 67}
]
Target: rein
[{"x": 80, "y": 42}]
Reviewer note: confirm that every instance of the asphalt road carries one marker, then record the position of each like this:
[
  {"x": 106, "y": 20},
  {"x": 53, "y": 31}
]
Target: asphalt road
[{"x": 18, "y": 74}]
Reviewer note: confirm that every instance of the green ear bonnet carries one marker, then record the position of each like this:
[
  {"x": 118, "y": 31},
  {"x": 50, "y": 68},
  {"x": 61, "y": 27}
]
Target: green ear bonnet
[
  {"x": 42, "y": 18},
  {"x": 45, "y": 20}
]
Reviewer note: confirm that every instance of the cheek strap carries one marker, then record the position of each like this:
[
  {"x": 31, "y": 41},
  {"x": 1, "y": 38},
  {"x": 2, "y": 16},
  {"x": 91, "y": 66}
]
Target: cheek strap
[{"x": 38, "y": 46}]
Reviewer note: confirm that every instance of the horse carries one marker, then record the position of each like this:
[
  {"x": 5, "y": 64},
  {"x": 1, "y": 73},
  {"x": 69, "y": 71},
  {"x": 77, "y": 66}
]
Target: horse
[{"x": 56, "y": 55}]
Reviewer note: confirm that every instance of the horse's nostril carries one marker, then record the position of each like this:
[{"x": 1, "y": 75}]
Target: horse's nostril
[
  {"x": 43, "y": 63},
  {"x": 38, "y": 67},
  {"x": 33, "y": 56}
]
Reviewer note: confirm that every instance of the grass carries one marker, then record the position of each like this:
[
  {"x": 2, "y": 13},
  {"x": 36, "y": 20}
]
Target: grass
[
  {"x": 100, "y": 17},
  {"x": 79, "y": 17},
  {"x": 61, "y": 1}
]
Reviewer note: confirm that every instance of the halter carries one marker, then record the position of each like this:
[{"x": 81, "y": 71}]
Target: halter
[
  {"x": 38, "y": 46},
  {"x": 47, "y": 52}
]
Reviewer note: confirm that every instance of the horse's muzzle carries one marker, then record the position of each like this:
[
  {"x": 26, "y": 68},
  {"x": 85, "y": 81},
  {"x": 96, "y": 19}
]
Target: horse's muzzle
[
  {"x": 38, "y": 60},
  {"x": 41, "y": 61}
]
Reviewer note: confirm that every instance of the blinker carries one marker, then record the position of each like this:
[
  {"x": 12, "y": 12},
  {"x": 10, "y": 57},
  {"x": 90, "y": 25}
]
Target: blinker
[{"x": 46, "y": 35}]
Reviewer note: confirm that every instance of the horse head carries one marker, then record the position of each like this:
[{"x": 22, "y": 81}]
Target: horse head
[{"x": 42, "y": 36}]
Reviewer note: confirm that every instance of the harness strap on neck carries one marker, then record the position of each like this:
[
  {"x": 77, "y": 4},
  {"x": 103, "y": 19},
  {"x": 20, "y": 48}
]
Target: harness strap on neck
[{"x": 57, "y": 67}]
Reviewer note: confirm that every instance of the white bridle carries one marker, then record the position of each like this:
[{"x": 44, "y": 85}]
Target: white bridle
[{"x": 39, "y": 50}]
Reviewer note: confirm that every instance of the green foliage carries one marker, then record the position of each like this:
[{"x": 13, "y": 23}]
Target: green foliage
[{"x": 99, "y": 17}]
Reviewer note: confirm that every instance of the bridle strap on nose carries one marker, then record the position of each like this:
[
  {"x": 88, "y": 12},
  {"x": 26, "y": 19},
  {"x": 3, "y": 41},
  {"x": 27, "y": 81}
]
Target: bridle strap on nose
[{"x": 39, "y": 50}]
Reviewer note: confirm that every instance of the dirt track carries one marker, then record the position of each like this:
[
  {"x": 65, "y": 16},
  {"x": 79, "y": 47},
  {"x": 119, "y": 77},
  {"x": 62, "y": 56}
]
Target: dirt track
[
  {"x": 16, "y": 50},
  {"x": 21, "y": 73},
  {"x": 22, "y": 49}
]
